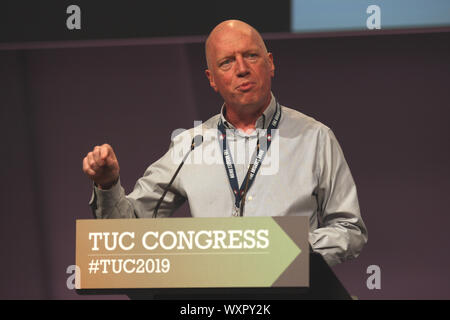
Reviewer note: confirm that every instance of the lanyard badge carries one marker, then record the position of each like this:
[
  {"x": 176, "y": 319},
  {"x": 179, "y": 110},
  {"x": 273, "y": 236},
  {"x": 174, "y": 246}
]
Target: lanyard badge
[{"x": 257, "y": 158}]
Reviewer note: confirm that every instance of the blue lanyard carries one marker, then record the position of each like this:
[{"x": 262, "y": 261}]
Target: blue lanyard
[{"x": 256, "y": 161}]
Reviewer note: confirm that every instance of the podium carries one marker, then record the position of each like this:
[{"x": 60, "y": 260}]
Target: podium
[{"x": 303, "y": 275}]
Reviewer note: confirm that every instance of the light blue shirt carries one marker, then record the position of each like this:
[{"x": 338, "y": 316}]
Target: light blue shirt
[{"x": 304, "y": 173}]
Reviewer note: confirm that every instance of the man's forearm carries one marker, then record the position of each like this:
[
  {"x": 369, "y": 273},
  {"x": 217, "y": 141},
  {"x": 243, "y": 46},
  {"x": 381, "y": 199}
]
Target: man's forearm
[
  {"x": 111, "y": 203},
  {"x": 337, "y": 243}
]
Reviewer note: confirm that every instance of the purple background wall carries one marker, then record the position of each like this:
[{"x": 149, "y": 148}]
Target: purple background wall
[{"x": 386, "y": 98}]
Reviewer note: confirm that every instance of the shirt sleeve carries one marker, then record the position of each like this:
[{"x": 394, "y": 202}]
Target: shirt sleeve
[
  {"x": 141, "y": 202},
  {"x": 341, "y": 232}
]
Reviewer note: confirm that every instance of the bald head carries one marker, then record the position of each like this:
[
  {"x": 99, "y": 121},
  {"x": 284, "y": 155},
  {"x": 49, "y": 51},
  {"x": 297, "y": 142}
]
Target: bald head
[
  {"x": 239, "y": 68},
  {"x": 221, "y": 33}
]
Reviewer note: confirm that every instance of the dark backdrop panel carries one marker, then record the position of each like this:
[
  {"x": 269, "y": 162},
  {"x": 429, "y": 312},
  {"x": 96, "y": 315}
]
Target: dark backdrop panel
[
  {"x": 22, "y": 20},
  {"x": 22, "y": 238},
  {"x": 385, "y": 97},
  {"x": 387, "y": 100}
]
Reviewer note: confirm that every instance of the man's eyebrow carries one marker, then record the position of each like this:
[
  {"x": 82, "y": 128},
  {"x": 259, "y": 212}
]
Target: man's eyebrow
[{"x": 231, "y": 55}]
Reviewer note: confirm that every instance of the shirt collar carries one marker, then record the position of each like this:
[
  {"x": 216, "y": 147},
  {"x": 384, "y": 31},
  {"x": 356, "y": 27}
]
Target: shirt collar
[{"x": 262, "y": 122}]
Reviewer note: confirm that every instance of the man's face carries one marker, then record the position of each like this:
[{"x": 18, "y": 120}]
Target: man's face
[{"x": 240, "y": 69}]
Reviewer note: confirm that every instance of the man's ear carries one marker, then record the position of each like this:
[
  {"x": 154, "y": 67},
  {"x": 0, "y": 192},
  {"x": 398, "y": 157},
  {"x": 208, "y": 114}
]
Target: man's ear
[
  {"x": 211, "y": 79},
  {"x": 272, "y": 65}
]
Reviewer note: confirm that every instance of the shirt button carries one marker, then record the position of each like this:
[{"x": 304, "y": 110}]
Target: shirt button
[{"x": 250, "y": 198}]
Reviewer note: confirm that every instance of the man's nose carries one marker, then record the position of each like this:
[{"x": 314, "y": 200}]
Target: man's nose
[{"x": 241, "y": 67}]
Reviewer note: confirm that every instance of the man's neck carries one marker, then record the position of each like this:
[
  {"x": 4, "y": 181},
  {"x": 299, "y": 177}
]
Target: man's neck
[{"x": 245, "y": 121}]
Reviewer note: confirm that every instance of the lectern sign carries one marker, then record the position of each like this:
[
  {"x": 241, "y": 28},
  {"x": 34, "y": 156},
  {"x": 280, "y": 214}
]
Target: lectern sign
[{"x": 193, "y": 252}]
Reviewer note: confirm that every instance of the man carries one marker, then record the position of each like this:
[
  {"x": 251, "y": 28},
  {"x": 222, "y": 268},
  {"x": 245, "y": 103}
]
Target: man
[{"x": 311, "y": 176}]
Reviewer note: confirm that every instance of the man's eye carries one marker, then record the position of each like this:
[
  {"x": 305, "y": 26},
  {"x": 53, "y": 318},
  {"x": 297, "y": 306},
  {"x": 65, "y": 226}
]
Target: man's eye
[{"x": 225, "y": 64}]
